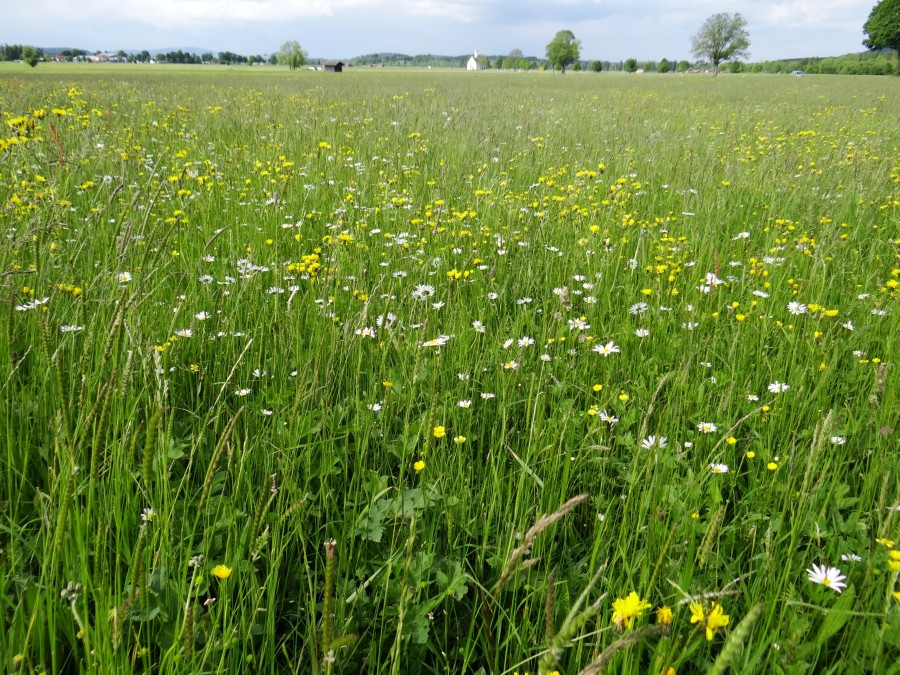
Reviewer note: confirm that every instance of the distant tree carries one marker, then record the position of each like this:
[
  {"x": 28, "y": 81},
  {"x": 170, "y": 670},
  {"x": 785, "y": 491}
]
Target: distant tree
[
  {"x": 577, "y": 67},
  {"x": 882, "y": 29},
  {"x": 563, "y": 50},
  {"x": 291, "y": 55},
  {"x": 683, "y": 66},
  {"x": 630, "y": 65},
  {"x": 484, "y": 62},
  {"x": 207, "y": 57},
  {"x": 144, "y": 56},
  {"x": 498, "y": 62},
  {"x": 31, "y": 56},
  {"x": 722, "y": 37},
  {"x": 273, "y": 59},
  {"x": 596, "y": 66},
  {"x": 664, "y": 66},
  {"x": 515, "y": 55}
]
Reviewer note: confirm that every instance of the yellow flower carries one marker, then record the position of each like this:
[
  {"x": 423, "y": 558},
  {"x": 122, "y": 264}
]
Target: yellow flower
[
  {"x": 771, "y": 466},
  {"x": 419, "y": 465},
  {"x": 626, "y": 609},
  {"x": 750, "y": 454},
  {"x": 715, "y": 620},
  {"x": 697, "y": 614},
  {"x": 459, "y": 440},
  {"x": 623, "y": 397},
  {"x": 731, "y": 440},
  {"x": 664, "y": 616},
  {"x": 439, "y": 432},
  {"x": 894, "y": 562},
  {"x": 221, "y": 572},
  {"x": 597, "y": 387}
]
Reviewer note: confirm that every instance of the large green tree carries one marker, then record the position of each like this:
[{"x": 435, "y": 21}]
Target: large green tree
[
  {"x": 563, "y": 50},
  {"x": 291, "y": 55},
  {"x": 722, "y": 37},
  {"x": 883, "y": 28}
]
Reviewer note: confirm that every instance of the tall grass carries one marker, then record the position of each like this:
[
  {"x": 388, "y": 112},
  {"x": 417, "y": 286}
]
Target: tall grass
[{"x": 326, "y": 361}]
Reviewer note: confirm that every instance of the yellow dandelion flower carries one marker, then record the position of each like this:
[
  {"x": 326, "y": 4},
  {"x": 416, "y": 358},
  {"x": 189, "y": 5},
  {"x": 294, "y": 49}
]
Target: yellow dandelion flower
[
  {"x": 664, "y": 616},
  {"x": 627, "y": 609},
  {"x": 221, "y": 572},
  {"x": 439, "y": 432}
]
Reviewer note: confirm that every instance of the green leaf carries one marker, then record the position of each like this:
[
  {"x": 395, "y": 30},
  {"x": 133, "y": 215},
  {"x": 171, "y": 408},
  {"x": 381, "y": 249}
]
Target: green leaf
[
  {"x": 453, "y": 582},
  {"x": 837, "y": 616}
]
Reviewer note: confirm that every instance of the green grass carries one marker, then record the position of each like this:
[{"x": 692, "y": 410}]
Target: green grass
[{"x": 242, "y": 254}]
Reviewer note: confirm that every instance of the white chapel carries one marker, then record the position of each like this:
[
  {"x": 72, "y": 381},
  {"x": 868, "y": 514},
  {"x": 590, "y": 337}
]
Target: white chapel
[{"x": 473, "y": 62}]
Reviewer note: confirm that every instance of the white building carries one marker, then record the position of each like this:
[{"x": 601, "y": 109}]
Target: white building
[{"x": 473, "y": 62}]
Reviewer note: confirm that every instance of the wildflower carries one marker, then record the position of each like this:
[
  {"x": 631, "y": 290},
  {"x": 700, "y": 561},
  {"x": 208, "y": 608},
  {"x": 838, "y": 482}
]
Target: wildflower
[
  {"x": 459, "y": 440},
  {"x": 716, "y": 619},
  {"x": 478, "y": 326},
  {"x": 654, "y": 441},
  {"x": 546, "y": 358},
  {"x": 510, "y": 365},
  {"x": 627, "y": 609},
  {"x": 439, "y": 341},
  {"x": 664, "y": 616},
  {"x": 465, "y": 403},
  {"x": 123, "y": 277},
  {"x": 624, "y": 397},
  {"x": 851, "y": 557},
  {"x": 894, "y": 560},
  {"x": 597, "y": 387},
  {"x": 771, "y": 466},
  {"x": 731, "y": 440},
  {"x": 32, "y": 305},
  {"x": 374, "y": 407},
  {"x": 184, "y": 333},
  {"x": 242, "y": 392},
  {"x": 607, "y": 349},
  {"x": 719, "y": 468},
  {"x": 423, "y": 291},
  {"x": 838, "y": 440},
  {"x": 365, "y": 332},
  {"x": 579, "y": 324},
  {"x": 750, "y": 454},
  {"x": 778, "y": 387},
  {"x": 419, "y": 464},
  {"x": 642, "y": 332},
  {"x": 439, "y": 432},
  {"x": 707, "y": 427},
  {"x": 827, "y": 576},
  {"x": 486, "y": 395},
  {"x": 221, "y": 572},
  {"x": 148, "y": 514},
  {"x": 201, "y": 316},
  {"x": 606, "y": 417},
  {"x": 70, "y": 329},
  {"x": 797, "y": 308},
  {"x": 638, "y": 308}
]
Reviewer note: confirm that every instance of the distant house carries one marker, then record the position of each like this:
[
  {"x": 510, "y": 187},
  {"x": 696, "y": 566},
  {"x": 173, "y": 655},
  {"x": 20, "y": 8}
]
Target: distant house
[
  {"x": 334, "y": 66},
  {"x": 473, "y": 62}
]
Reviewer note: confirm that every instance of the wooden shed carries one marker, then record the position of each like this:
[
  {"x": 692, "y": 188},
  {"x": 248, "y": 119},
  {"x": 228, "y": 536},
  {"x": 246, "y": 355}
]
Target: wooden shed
[{"x": 334, "y": 66}]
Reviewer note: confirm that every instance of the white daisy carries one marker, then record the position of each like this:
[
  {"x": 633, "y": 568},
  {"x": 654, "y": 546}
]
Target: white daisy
[{"x": 827, "y": 576}]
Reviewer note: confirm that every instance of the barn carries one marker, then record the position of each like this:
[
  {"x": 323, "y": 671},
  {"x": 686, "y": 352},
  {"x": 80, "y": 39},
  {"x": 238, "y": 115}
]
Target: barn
[{"x": 334, "y": 66}]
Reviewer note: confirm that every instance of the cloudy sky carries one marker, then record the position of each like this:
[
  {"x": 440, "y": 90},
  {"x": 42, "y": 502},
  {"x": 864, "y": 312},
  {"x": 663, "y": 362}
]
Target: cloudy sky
[{"x": 608, "y": 29}]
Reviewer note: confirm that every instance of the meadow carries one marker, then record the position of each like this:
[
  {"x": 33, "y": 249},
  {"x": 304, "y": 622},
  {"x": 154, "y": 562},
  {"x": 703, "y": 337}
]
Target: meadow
[{"x": 420, "y": 372}]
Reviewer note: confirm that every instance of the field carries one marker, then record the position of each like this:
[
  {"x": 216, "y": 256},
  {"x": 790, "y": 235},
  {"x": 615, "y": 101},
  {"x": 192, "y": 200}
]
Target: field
[{"x": 420, "y": 372}]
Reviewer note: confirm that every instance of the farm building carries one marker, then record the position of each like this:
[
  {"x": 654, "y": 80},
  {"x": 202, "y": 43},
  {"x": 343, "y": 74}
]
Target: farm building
[{"x": 334, "y": 66}]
